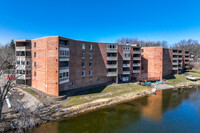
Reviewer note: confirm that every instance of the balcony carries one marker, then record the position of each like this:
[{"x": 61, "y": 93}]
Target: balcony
[
  {"x": 180, "y": 54},
  {"x": 179, "y": 67},
  {"x": 112, "y": 58},
  {"x": 111, "y": 74},
  {"x": 126, "y": 58},
  {"x": 175, "y": 68},
  {"x": 63, "y": 80},
  {"x": 63, "y": 45},
  {"x": 187, "y": 58},
  {"x": 63, "y": 68},
  {"x": 126, "y": 72},
  {"x": 136, "y": 52},
  {"x": 175, "y": 53},
  {"x": 187, "y": 54},
  {"x": 136, "y": 64},
  {"x": 136, "y": 71},
  {"x": 187, "y": 66},
  {"x": 126, "y": 51},
  {"x": 126, "y": 65},
  {"x": 111, "y": 50},
  {"x": 180, "y": 58},
  {"x": 175, "y": 58},
  {"x": 175, "y": 63},
  {"x": 136, "y": 58},
  {"x": 111, "y": 66}
]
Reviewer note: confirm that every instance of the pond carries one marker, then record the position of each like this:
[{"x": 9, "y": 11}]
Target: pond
[{"x": 169, "y": 111}]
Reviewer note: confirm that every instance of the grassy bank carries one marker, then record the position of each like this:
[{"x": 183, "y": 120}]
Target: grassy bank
[
  {"x": 194, "y": 72},
  {"x": 177, "y": 79},
  {"x": 102, "y": 92}
]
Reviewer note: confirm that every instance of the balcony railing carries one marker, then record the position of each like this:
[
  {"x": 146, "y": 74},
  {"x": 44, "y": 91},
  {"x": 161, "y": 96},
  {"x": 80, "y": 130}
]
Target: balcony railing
[
  {"x": 126, "y": 72},
  {"x": 175, "y": 63},
  {"x": 174, "y": 53},
  {"x": 136, "y": 64},
  {"x": 136, "y": 58},
  {"x": 180, "y": 54},
  {"x": 111, "y": 66},
  {"x": 63, "y": 80},
  {"x": 175, "y": 58},
  {"x": 111, "y": 50},
  {"x": 63, "y": 68},
  {"x": 126, "y": 65},
  {"x": 136, "y": 71},
  {"x": 62, "y": 45},
  {"x": 137, "y": 52},
  {"x": 111, "y": 74},
  {"x": 112, "y": 58},
  {"x": 179, "y": 67},
  {"x": 175, "y": 68},
  {"x": 126, "y": 58}
]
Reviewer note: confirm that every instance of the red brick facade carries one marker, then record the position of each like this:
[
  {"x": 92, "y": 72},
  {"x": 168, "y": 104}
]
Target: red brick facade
[{"x": 60, "y": 64}]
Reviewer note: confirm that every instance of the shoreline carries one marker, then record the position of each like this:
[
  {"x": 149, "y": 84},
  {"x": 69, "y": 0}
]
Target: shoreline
[{"x": 80, "y": 109}]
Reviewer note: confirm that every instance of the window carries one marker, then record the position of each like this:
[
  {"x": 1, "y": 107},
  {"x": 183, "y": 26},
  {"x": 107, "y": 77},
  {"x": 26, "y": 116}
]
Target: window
[
  {"x": 22, "y": 62},
  {"x": 34, "y": 74},
  {"x": 90, "y": 47},
  {"x": 34, "y": 44},
  {"x": 73, "y": 83},
  {"x": 83, "y": 73},
  {"x": 34, "y": 54},
  {"x": 111, "y": 46},
  {"x": 60, "y": 75},
  {"x": 83, "y": 64},
  {"x": 90, "y": 55},
  {"x": 28, "y": 63},
  {"x": 18, "y": 62},
  {"x": 98, "y": 79},
  {"x": 83, "y": 46},
  {"x": 35, "y": 65},
  {"x": 126, "y": 47},
  {"x": 90, "y": 73},
  {"x": 83, "y": 55},
  {"x": 90, "y": 64}
]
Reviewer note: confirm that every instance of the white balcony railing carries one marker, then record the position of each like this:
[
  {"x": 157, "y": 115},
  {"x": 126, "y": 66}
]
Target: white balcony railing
[
  {"x": 136, "y": 64},
  {"x": 175, "y": 68},
  {"x": 175, "y": 58},
  {"x": 126, "y": 58},
  {"x": 126, "y": 65},
  {"x": 63, "y": 80},
  {"x": 111, "y": 66},
  {"x": 136, "y": 71},
  {"x": 63, "y": 68},
  {"x": 111, "y": 50},
  {"x": 126, "y": 72},
  {"x": 175, "y": 63},
  {"x": 174, "y": 53},
  {"x": 136, "y": 52},
  {"x": 111, "y": 74},
  {"x": 112, "y": 58},
  {"x": 136, "y": 58}
]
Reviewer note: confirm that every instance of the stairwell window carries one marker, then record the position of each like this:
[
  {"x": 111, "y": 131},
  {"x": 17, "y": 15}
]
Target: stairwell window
[
  {"x": 83, "y": 64},
  {"x": 83, "y": 73},
  {"x": 35, "y": 65},
  {"x": 90, "y": 47},
  {"x": 90, "y": 55},
  {"x": 35, "y": 74},
  {"x": 83, "y": 46},
  {"x": 90, "y": 64},
  {"x": 90, "y": 73},
  {"x": 34, "y": 44},
  {"x": 83, "y": 55},
  {"x": 34, "y": 54}
]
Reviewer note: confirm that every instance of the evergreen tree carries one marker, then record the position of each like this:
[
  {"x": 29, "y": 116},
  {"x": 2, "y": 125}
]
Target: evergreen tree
[{"x": 12, "y": 44}]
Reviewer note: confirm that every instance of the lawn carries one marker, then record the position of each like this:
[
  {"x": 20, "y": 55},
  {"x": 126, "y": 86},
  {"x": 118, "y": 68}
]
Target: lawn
[
  {"x": 177, "y": 79},
  {"x": 102, "y": 92},
  {"x": 194, "y": 72}
]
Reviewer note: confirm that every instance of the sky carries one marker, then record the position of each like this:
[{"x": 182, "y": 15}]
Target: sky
[{"x": 100, "y": 20}]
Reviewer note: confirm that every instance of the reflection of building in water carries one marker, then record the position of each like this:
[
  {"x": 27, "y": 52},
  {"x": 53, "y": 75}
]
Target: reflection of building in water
[{"x": 153, "y": 109}]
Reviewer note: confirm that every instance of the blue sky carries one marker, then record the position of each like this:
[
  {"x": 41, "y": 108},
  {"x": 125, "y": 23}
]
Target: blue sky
[{"x": 100, "y": 20}]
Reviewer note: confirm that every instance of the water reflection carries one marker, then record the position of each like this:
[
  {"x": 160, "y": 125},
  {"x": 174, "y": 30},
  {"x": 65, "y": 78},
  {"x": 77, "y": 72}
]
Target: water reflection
[{"x": 162, "y": 112}]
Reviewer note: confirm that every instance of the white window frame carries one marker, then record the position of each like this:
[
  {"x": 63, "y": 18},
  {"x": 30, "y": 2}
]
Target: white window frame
[
  {"x": 90, "y": 47},
  {"x": 83, "y": 73},
  {"x": 83, "y": 46},
  {"x": 90, "y": 73}
]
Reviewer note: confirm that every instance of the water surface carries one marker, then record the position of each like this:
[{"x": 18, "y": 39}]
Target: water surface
[{"x": 166, "y": 112}]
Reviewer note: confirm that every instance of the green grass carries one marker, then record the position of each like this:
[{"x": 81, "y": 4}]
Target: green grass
[
  {"x": 194, "y": 72},
  {"x": 177, "y": 79},
  {"x": 107, "y": 92},
  {"x": 30, "y": 91}
]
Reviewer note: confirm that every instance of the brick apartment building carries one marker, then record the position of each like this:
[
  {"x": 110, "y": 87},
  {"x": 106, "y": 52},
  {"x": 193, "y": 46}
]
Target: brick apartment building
[
  {"x": 161, "y": 62},
  {"x": 57, "y": 64}
]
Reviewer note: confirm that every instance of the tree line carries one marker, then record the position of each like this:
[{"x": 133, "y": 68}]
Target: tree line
[{"x": 187, "y": 45}]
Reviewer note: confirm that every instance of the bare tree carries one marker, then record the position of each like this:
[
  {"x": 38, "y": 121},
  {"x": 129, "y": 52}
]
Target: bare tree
[
  {"x": 125, "y": 40},
  {"x": 7, "y": 73}
]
